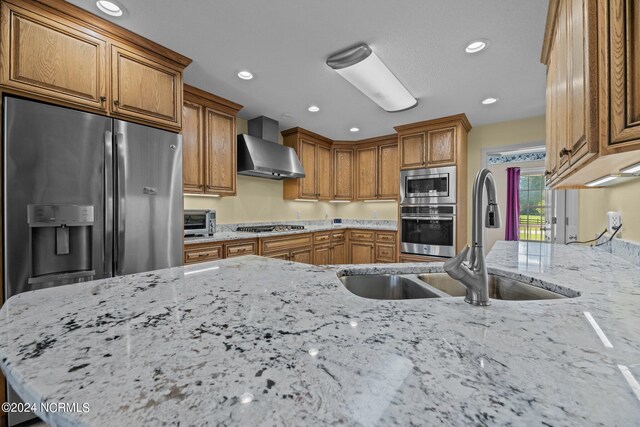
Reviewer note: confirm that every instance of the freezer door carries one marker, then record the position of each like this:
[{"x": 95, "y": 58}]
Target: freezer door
[
  {"x": 54, "y": 162},
  {"x": 148, "y": 198}
]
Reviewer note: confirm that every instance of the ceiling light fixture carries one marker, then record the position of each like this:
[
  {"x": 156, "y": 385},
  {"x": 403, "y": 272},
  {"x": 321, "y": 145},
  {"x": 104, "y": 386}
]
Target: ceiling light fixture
[
  {"x": 314, "y": 108},
  {"x": 354, "y": 129},
  {"x": 109, "y": 7},
  {"x": 245, "y": 75},
  {"x": 476, "y": 46},
  {"x": 631, "y": 169},
  {"x": 361, "y": 67},
  {"x": 339, "y": 201},
  {"x": 489, "y": 101},
  {"x": 601, "y": 181}
]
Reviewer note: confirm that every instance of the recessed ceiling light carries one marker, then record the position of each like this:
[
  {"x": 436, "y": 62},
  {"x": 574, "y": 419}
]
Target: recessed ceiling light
[
  {"x": 313, "y": 109},
  {"x": 476, "y": 46},
  {"x": 109, "y": 7},
  {"x": 354, "y": 129},
  {"x": 488, "y": 101},
  {"x": 245, "y": 75}
]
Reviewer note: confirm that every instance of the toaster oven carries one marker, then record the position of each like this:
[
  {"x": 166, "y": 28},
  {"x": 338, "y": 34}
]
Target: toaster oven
[{"x": 199, "y": 222}]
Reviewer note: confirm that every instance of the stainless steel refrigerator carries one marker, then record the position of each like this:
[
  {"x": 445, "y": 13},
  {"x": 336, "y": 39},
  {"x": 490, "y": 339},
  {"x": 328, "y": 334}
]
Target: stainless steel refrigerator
[{"x": 86, "y": 197}]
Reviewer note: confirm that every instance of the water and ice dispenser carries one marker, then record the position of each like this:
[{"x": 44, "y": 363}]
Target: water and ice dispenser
[{"x": 60, "y": 242}]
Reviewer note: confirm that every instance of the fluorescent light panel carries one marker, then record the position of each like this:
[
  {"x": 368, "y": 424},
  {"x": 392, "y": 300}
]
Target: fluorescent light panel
[
  {"x": 361, "y": 67},
  {"x": 601, "y": 181},
  {"x": 631, "y": 169}
]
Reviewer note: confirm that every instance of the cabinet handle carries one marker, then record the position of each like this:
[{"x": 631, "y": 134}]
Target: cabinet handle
[
  {"x": 103, "y": 99},
  {"x": 547, "y": 173},
  {"x": 564, "y": 152},
  {"x": 116, "y": 102}
]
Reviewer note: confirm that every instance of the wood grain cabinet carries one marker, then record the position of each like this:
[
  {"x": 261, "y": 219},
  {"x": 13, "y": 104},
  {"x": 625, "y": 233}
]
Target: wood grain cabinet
[
  {"x": 377, "y": 173},
  {"x": 59, "y": 53},
  {"x": 295, "y": 247},
  {"x": 592, "y": 95},
  {"x": 210, "y": 251},
  {"x": 361, "y": 246},
  {"x": 343, "y": 173},
  {"x": 386, "y": 248},
  {"x": 208, "y": 143},
  {"x": 314, "y": 152},
  {"x": 430, "y": 144}
]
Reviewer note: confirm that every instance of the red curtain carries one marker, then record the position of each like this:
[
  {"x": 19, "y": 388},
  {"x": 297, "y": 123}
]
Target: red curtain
[{"x": 513, "y": 204}]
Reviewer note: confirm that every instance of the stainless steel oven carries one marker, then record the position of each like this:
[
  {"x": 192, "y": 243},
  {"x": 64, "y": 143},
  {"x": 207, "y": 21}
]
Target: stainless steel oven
[
  {"x": 428, "y": 186},
  {"x": 428, "y": 230},
  {"x": 199, "y": 222}
]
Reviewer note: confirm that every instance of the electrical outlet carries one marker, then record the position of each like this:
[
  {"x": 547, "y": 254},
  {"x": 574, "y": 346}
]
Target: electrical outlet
[
  {"x": 614, "y": 221},
  {"x": 298, "y": 215}
]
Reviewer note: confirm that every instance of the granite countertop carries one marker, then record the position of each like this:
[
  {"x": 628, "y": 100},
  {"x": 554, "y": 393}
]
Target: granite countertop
[
  {"x": 237, "y": 235},
  {"x": 255, "y": 341}
]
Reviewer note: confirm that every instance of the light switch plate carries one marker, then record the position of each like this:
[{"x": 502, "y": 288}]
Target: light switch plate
[{"x": 614, "y": 220}]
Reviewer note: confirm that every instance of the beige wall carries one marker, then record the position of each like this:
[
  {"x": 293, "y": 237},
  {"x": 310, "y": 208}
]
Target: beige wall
[
  {"x": 260, "y": 199},
  {"x": 596, "y": 202},
  {"x": 496, "y": 135}
]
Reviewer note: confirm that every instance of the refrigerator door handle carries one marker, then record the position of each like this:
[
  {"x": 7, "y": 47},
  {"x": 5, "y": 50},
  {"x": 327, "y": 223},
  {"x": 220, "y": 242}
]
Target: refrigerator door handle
[
  {"x": 107, "y": 253},
  {"x": 121, "y": 149}
]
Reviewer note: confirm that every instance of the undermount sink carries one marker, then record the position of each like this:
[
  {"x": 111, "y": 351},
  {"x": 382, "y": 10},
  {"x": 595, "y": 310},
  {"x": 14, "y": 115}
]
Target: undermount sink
[
  {"x": 500, "y": 287},
  {"x": 386, "y": 286}
]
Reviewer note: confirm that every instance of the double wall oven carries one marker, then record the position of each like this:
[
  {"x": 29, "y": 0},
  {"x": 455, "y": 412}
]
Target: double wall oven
[{"x": 428, "y": 211}]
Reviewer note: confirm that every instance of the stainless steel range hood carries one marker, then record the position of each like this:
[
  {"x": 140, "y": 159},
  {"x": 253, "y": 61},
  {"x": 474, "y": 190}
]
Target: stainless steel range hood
[{"x": 260, "y": 155}]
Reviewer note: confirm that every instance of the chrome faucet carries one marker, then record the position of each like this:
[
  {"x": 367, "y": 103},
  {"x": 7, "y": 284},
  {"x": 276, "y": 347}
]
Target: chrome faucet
[{"x": 469, "y": 265}]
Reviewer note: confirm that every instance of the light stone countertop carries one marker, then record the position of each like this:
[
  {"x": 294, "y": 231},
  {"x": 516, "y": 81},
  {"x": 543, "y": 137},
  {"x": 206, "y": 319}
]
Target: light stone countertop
[
  {"x": 257, "y": 341},
  {"x": 238, "y": 235}
]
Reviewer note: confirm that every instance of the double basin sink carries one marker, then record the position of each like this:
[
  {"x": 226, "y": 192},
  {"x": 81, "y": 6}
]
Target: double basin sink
[{"x": 438, "y": 285}]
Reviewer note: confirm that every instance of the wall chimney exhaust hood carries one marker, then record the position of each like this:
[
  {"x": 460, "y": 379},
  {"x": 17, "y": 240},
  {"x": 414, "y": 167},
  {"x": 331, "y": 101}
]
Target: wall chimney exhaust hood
[
  {"x": 260, "y": 155},
  {"x": 361, "y": 67}
]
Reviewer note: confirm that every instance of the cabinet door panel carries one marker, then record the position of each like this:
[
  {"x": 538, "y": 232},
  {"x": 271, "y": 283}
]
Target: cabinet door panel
[
  {"x": 366, "y": 170},
  {"x": 308, "y": 159},
  {"x": 145, "y": 89},
  {"x": 303, "y": 256},
  {"x": 50, "y": 58},
  {"x": 412, "y": 150},
  {"x": 441, "y": 146},
  {"x": 339, "y": 253},
  {"x": 385, "y": 253},
  {"x": 324, "y": 173},
  {"x": 343, "y": 174},
  {"x": 624, "y": 18},
  {"x": 192, "y": 148},
  {"x": 577, "y": 77},
  {"x": 322, "y": 255},
  {"x": 220, "y": 142},
  {"x": 562, "y": 129},
  {"x": 388, "y": 172},
  {"x": 361, "y": 253}
]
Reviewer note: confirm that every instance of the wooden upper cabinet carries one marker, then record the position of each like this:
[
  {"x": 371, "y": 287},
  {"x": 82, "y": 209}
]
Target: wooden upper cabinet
[
  {"x": 220, "y": 147},
  {"x": 366, "y": 172},
  {"x": 53, "y": 58},
  {"x": 308, "y": 157},
  {"x": 441, "y": 147},
  {"x": 314, "y": 152},
  {"x": 145, "y": 89},
  {"x": 413, "y": 150},
  {"x": 624, "y": 72},
  {"x": 192, "y": 147},
  {"x": 208, "y": 143},
  {"x": 388, "y": 172},
  {"x": 60, "y": 53},
  {"x": 343, "y": 173},
  {"x": 324, "y": 173}
]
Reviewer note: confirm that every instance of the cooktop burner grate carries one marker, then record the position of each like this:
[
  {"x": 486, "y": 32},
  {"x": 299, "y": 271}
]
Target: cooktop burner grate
[{"x": 269, "y": 228}]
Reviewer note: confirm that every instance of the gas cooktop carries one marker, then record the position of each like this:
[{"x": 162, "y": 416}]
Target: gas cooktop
[{"x": 269, "y": 228}]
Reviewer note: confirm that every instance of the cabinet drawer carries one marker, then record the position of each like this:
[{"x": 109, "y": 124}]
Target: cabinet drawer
[
  {"x": 273, "y": 244},
  {"x": 385, "y": 253},
  {"x": 337, "y": 236},
  {"x": 202, "y": 254},
  {"x": 386, "y": 236},
  {"x": 361, "y": 235},
  {"x": 320, "y": 238},
  {"x": 240, "y": 249}
]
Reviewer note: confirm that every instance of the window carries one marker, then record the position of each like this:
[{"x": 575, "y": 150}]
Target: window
[{"x": 536, "y": 208}]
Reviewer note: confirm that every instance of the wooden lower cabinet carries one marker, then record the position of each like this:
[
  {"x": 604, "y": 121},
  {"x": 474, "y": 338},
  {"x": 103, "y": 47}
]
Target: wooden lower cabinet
[
  {"x": 203, "y": 252},
  {"x": 322, "y": 255},
  {"x": 420, "y": 258},
  {"x": 385, "y": 252},
  {"x": 241, "y": 248},
  {"x": 296, "y": 247},
  {"x": 339, "y": 253},
  {"x": 361, "y": 252},
  {"x": 301, "y": 255}
]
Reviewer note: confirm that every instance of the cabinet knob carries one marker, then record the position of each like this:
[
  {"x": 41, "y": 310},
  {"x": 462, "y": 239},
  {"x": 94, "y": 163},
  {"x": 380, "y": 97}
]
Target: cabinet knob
[
  {"x": 103, "y": 99},
  {"x": 547, "y": 173},
  {"x": 116, "y": 102},
  {"x": 564, "y": 152}
]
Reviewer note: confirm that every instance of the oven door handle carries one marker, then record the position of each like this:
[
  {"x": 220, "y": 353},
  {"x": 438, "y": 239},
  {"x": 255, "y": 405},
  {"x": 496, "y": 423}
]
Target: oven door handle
[{"x": 436, "y": 218}]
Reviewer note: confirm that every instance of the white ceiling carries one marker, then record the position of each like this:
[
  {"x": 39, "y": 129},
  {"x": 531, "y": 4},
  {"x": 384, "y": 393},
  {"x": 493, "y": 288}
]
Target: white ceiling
[{"x": 285, "y": 44}]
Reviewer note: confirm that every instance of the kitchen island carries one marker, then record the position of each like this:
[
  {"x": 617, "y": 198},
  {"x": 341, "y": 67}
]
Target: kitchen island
[{"x": 251, "y": 340}]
